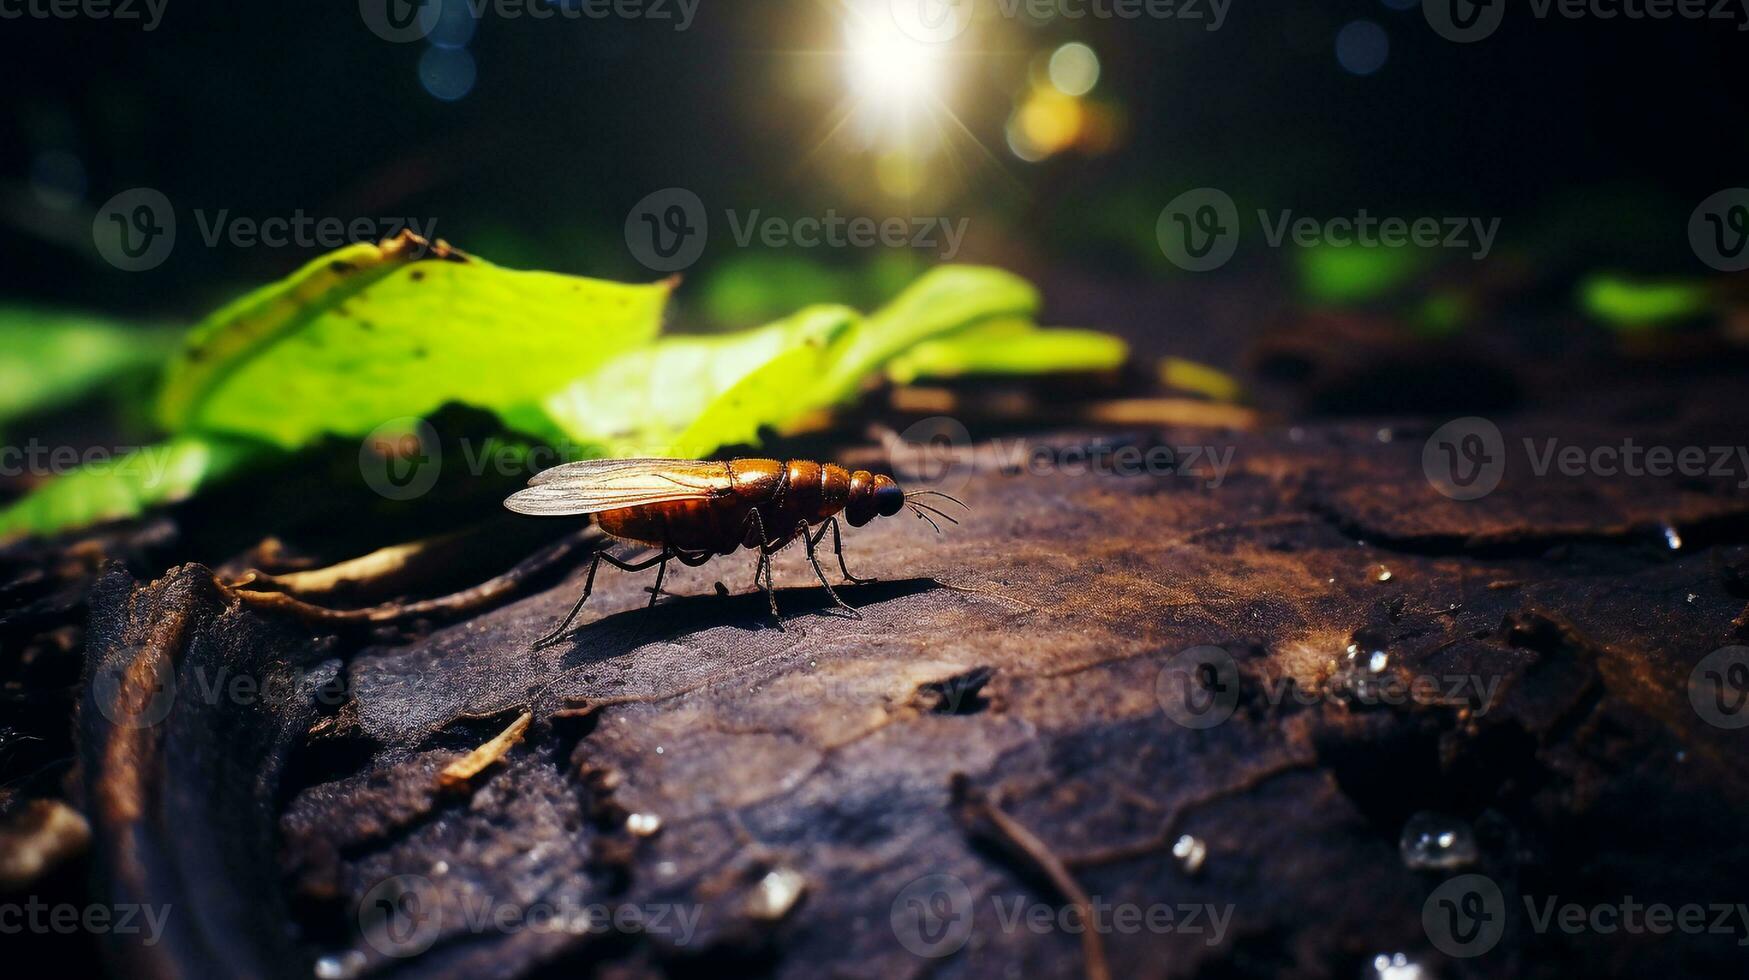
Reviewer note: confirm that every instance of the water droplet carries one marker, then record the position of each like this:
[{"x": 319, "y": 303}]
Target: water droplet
[
  {"x": 345, "y": 966},
  {"x": 777, "y": 893},
  {"x": 1383, "y": 574},
  {"x": 1435, "y": 841},
  {"x": 1378, "y": 661},
  {"x": 658, "y": 750},
  {"x": 1672, "y": 537},
  {"x": 1395, "y": 966},
  {"x": 1191, "y": 852},
  {"x": 1692, "y": 597},
  {"x": 440, "y": 868},
  {"x": 666, "y": 868},
  {"x": 644, "y": 824}
]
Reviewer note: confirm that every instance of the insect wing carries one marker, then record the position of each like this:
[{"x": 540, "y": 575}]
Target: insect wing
[
  {"x": 601, "y": 468},
  {"x": 593, "y": 486}
]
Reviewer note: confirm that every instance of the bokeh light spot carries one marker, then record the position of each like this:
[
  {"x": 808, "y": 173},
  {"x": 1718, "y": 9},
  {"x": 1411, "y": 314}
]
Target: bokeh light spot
[
  {"x": 1074, "y": 69},
  {"x": 1362, "y": 47},
  {"x": 447, "y": 73}
]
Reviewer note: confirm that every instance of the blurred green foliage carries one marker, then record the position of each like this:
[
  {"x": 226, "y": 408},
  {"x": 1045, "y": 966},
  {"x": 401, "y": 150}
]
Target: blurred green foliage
[
  {"x": 1334, "y": 275},
  {"x": 1628, "y": 305},
  {"x": 372, "y": 335},
  {"x": 52, "y": 359}
]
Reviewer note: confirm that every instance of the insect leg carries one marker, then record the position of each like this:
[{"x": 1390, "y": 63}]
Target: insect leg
[
  {"x": 765, "y": 565},
  {"x": 661, "y": 573},
  {"x": 589, "y": 586},
  {"x": 838, "y": 548},
  {"x": 814, "y": 560}
]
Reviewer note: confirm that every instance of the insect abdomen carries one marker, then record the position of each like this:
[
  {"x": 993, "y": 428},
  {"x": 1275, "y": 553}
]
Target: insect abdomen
[{"x": 786, "y": 496}]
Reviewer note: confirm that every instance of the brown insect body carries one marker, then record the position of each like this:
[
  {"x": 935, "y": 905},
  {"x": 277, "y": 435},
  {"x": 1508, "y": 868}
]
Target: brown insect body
[
  {"x": 787, "y": 496},
  {"x": 695, "y": 509}
]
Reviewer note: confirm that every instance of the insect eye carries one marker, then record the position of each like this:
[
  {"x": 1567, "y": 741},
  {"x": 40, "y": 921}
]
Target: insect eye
[{"x": 889, "y": 499}]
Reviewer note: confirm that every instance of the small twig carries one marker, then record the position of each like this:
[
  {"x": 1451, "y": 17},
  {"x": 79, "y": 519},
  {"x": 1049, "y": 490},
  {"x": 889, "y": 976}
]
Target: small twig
[
  {"x": 482, "y": 596},
  {"x": 974, "y": 807},
  {"x": 458, "y": 773},
  {"x": 382, "y": 565}
]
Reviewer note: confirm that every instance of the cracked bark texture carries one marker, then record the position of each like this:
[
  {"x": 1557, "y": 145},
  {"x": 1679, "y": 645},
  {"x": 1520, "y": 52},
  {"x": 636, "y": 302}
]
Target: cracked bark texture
[{"x": 1025, "y": 653}]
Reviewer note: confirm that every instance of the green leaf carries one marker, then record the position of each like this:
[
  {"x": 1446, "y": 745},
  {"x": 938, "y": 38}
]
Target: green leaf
[
  {"x": 372, "y": 333},
  {"x": 640, "y": 403},
  {"x": 689, "y": 396},
  {"x": 49, "y": 359},
  {"x": 1009, "y": 347},
  {"x": 126, "y": 485},
  {"x": 946, "y": 299}
]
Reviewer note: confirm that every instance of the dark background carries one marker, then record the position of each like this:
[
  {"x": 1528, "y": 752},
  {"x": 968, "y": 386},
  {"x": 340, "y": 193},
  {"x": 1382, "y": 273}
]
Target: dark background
[{"x": 1592, "y": 140}]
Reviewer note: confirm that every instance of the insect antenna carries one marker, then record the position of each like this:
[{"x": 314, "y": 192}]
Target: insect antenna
[
  {"x": 932, "y": 524},
  {"x": 920, "y": 508},
  {"x": 936, "y": 493}
]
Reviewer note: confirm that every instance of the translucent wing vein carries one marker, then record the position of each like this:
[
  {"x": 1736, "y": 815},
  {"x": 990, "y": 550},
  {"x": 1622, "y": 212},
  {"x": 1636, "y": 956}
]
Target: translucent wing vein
[{"x": 593, "y": 486}]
